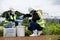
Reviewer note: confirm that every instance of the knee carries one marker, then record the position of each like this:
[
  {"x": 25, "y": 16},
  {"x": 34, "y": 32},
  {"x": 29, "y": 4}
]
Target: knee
[{"x": 41, "y": 28}]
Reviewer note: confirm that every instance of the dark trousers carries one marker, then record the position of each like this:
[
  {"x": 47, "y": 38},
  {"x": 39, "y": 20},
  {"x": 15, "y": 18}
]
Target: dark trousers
[{"x": 34, "y": 26}]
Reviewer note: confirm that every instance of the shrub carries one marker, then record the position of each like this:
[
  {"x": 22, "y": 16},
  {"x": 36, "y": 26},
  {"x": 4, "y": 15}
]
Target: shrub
[
  {"x": 52, "y": 28},
  {"x": 27, "y": 32},
  {"x": 1, "y": 32}
]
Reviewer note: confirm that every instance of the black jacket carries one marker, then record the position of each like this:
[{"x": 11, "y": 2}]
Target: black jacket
[{"x": 35, "y": 16}]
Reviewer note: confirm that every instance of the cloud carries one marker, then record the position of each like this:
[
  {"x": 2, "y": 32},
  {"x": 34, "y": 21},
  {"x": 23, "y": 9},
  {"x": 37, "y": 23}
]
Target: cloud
[
  {"x": 23, "y": 5},
  {"x": 55, "y": 2}
]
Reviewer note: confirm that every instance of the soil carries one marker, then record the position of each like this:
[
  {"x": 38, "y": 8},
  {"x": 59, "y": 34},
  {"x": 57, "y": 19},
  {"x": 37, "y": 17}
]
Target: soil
[{"x": 42, "y": 37}]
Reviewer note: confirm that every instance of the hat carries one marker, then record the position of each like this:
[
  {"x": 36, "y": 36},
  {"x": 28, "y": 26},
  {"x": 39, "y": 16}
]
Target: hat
[
  {"x": 30, "y": 9},
  {"x": 12, "y": 9}
]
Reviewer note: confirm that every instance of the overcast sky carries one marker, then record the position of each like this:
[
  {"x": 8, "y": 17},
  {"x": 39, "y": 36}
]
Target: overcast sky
[{"x": 50, "y": 6}]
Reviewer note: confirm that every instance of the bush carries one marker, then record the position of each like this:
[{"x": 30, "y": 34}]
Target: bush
[
  {"x": 25, "y": 22},
  {"x": 1, "y": 32},
  {"x": 52, "y": 28},
  {"x": 27, "y": 32}
]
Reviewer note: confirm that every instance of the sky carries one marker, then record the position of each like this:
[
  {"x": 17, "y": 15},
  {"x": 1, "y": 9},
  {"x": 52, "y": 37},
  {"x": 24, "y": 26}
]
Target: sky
[{"x": 49, "y": 6}]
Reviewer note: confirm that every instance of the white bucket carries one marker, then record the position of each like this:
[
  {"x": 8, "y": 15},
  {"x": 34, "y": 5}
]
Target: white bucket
[
  {"x": 9, "y": 32},
  {"x": 20, "y": 31}
]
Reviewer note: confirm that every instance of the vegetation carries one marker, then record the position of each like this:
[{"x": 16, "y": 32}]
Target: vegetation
[
  {"x": 1, "y": 32},
  {"x": 52, "y": 28},
  {"x": 25, "y": 22},
  {"x": 27, "y": 32}
]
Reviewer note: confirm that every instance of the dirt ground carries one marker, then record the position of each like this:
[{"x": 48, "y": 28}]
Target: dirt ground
[{"x": 42, "y": 37}]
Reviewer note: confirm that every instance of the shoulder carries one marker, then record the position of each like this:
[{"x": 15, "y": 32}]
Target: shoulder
[{"x": 35, "y": 13}]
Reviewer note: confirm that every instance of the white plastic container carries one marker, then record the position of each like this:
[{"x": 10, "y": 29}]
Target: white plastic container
[
  {"x": 20, "y": 31},
  {"x": 9, "y": 32}
]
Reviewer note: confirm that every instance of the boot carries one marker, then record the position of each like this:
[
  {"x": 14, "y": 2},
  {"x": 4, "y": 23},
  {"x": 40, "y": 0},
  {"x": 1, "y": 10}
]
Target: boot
[
  {"x": 34, "y": 33},
  {"x": 39, "y": 33}
]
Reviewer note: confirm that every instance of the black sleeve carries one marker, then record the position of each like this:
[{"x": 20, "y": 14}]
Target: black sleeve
[
  {"x": 35, "y": 17},
  {"x": 7, "y": 16},
  {"x": 27, "y": 15}
]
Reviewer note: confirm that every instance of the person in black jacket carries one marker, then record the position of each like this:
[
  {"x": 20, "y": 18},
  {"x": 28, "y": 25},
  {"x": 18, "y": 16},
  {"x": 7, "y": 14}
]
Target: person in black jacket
[{"x": 33, "y": 25}]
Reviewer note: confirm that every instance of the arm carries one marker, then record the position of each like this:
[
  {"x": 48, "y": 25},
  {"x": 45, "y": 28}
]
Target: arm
[
  {"x": 27, "y": 15},
  {"x": 7, "y": 16},
  {"x": 23, "y": 16}
]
